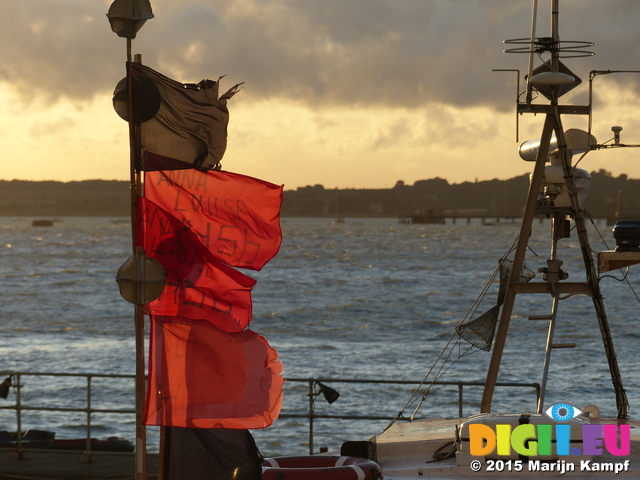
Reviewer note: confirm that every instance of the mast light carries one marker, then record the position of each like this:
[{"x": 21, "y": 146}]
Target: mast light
[{"x": 127, "y": 16}]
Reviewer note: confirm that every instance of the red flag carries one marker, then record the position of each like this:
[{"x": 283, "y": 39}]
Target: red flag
[
  {"x": 234, "y": 216},
  {"x": 205, "y": 370},
  {"x": 198, "y": 286},
  {"x": 202, "y": 377}
]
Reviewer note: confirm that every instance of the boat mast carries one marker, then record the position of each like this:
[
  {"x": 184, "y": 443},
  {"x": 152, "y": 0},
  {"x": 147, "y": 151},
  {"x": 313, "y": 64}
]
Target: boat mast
[{"x": 552, "y": 274}]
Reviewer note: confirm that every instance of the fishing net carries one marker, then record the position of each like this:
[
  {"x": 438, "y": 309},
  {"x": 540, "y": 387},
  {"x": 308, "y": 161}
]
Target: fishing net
[
  {"x": 479, "y": 332},
  {"x": 505, "y": 272}
]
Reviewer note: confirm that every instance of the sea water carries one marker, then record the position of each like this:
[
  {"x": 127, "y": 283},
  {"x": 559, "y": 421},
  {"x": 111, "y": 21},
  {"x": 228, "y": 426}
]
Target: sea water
[{"x": 356, "y": 299}]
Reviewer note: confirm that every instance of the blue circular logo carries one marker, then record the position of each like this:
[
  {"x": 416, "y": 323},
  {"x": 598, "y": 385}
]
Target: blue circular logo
[{"x": 562, "y": 412}]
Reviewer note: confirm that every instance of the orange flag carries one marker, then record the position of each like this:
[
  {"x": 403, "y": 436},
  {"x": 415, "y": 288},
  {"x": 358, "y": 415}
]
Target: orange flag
[
  {"x": 206, "y": 370},
  {"x": 198, "y": 286},
  {"x": 202, "y": 377},
  {"x": 235, "y": 217}
]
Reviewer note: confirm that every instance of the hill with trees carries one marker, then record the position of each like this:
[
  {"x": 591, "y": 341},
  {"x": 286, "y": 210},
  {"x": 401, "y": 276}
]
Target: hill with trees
[{"x": 499, "y": 198}]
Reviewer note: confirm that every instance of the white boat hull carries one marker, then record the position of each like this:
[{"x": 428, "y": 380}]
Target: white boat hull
[{"x": 406, "y": 450}]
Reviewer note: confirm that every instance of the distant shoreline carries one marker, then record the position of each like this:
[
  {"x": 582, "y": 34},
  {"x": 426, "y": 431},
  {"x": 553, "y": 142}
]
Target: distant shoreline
[{"x": 609, "y": 197}]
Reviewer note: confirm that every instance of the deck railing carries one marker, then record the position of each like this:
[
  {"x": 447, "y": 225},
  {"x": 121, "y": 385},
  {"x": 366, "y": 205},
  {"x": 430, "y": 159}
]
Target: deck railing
[
  {"x": 313, "y": 393},
  {"x": 88, "y": 409}
]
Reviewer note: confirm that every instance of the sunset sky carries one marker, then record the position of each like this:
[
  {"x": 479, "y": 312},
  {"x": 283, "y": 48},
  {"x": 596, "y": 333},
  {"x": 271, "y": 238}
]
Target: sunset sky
[{"x": 342, "y": 93}]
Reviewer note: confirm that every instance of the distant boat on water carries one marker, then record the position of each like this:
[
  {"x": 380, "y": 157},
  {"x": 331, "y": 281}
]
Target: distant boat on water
[{"x": 42, "y": 223}]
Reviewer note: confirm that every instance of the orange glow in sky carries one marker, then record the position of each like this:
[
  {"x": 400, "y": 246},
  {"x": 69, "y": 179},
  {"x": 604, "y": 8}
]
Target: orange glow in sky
[{"x": 346, "y": 94}]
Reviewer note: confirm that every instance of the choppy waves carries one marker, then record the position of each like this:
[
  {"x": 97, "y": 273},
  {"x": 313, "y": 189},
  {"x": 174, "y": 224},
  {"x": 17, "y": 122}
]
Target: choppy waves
[{"x": 367, "y": 299}]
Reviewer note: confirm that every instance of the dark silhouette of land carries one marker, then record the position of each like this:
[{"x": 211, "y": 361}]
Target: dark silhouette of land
[{"x": 609, "y": 197}]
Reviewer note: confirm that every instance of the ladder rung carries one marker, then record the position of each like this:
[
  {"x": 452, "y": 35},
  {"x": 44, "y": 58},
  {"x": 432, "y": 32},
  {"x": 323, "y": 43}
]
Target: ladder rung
[
  {"x": 563, "y": 345},
  {"x": 540, "y": 317}
]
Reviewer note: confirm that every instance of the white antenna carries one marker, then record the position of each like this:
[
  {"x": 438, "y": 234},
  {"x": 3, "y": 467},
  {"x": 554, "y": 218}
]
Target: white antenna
[{"x": 616, "y": 134}]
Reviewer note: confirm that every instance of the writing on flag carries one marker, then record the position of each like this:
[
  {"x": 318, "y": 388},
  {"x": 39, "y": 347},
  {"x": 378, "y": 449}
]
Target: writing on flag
[
  {"x": 234, "y": 216},
  {"x": 206, "y": 369},
  {"x": 198, "y": 286}
]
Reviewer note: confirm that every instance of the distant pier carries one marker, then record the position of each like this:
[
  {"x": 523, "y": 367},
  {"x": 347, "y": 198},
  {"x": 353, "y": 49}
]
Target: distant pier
[
  {"x": 421, "y": 219},
  {"x": 475, "y": 219},
  {"x": 430, "y": 219}
]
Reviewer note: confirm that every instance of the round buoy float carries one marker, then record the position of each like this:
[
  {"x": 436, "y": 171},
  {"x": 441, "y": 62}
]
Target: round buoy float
[{"x": 320, "y": 467}]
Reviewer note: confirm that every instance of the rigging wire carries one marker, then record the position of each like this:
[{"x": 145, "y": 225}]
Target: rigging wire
[
  {"x": 422, "y": 382},
  {"x": 418, "y": 397},
  {"x": 449, "y": 348},
  {"x": 441, "y": 373},
  {"x": 625, "y": 277},
  {"x": 602, "y": 239}
]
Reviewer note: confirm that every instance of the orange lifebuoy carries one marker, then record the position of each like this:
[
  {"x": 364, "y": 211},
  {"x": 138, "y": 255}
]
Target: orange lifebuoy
[{"x": 320, "y": 467}]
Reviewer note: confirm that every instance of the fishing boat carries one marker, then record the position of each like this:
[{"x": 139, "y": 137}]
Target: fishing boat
[{"x": 550, "y": 439}]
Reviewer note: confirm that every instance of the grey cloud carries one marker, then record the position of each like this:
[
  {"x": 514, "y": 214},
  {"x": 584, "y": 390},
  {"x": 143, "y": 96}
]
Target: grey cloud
[
  {"x": 55, "y": 49},
  {"x": 315, "y": 52}
]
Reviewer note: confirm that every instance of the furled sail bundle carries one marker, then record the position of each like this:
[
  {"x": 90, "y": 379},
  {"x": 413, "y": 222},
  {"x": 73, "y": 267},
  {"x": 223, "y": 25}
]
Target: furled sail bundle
[
  {"x": 184, "y": 122},
  {"x": 206, "y": 369}
]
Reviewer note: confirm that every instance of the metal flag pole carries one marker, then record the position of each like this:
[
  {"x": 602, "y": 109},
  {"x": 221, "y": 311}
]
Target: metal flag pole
[
  {"x": 136, "y": 186},
  {"x": 126, "y": 18}
]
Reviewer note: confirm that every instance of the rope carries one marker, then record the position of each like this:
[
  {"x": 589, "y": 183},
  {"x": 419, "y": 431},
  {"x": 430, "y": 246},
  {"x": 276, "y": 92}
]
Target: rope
[{"x": 447, "y": 351}]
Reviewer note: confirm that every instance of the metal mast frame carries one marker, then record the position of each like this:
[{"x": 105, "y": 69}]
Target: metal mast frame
[{"x": 554, "y": 285}]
